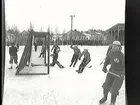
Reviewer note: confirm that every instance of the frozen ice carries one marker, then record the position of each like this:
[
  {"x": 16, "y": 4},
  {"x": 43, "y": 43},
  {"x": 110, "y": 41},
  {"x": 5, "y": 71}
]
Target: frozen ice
[{"x": 61, "y": 86}]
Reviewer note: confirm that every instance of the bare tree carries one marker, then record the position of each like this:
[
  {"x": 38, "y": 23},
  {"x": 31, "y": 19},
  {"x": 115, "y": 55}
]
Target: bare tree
[
  {"x": 41, "y": 29},
  {"x": 57, "y": 31},
  {"x": 48, "y": 29},
  {"x": 14, "y": 28},
  {"x": 64, "y": 31},
  {"x": 31, "y": 27},
  {"x": 14, "y": 31},
  {"x": 7, "y": 26}
]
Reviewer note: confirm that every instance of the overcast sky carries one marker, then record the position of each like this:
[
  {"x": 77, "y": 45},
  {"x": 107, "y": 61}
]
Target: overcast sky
[{"x": 89, "y": 14}]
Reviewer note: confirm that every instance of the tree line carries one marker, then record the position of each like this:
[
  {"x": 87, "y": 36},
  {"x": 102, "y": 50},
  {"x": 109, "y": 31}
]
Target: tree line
[{"x": 21, "y": 40}]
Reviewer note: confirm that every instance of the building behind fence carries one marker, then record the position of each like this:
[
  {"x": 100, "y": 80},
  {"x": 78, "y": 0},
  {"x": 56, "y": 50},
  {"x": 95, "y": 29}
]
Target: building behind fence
[{"x": 90, "y": 37}]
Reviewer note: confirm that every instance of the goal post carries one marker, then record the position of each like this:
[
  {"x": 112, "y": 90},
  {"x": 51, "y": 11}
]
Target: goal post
[{"x": 32, "y": 63}]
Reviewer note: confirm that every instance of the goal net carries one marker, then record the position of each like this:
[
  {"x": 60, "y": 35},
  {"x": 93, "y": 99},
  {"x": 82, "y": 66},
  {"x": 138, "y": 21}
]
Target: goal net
[{"x": 34, "y": 59}]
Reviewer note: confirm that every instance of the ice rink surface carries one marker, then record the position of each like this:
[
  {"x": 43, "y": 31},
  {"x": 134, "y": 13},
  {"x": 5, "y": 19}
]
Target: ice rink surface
[{"x": 61, "y": 86}]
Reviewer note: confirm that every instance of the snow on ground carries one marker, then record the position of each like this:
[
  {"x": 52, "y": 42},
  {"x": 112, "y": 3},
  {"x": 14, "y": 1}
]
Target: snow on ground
[{"x": 62, "y": 86}]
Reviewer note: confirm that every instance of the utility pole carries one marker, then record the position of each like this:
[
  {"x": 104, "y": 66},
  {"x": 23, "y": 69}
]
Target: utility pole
[
  {"x": 71, "y": 26},
  {"x": 48, "y": 47}
]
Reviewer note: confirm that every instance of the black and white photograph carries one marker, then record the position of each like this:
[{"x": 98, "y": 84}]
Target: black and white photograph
[{"x": 64, "y": 52}]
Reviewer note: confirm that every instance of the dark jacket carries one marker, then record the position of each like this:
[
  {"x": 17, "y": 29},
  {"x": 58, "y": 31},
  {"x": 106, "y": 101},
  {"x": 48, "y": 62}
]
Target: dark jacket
[
  {"x": 116, "y": 59},
  {"x": 86, "y": 56},
  {"x": 76, "y": 50},
  {"x": 55, "y": 47},
  {"x": 13, "y": 51}
]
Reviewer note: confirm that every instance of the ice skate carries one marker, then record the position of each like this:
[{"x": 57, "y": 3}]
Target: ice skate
[
  {"x": 10, "y": 68},
  {"x": 70, "y": 65},
  {"x": 80, "y": 72},
  {"x": 16, "y": 67},
  {"x": 103, "y": 100},
  {"x": 51, "y": 65},
  {"x": 61, "y": 66},
  {"x": 111, "y": 104},
  {"x": 77, "y": 70}
]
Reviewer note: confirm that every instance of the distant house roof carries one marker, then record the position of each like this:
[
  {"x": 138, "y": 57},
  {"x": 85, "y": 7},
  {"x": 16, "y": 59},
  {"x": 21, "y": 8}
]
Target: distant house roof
[
  {"x": 10, "y": 36},
  {"x": 90, "y": 31},
  {"x": 24, "y": 32},
  {"x": 122, "y": 25},
  {"x": 40, "y": 34},
  {"x": 8, "y": 33},
  {"x": 75, "y": 32},
  {"x": 57, "y": 35},
  {"x": 87, "y": 35}
]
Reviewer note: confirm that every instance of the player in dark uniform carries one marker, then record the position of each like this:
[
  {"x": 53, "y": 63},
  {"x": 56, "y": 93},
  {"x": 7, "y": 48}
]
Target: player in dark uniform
[
  {"x": 75, "y": 56},
  {"x": 54, "y": 48},
  {"x": 17, "y": 46},
  {"x": 85, "y": 61},
  {"x": 55, "y": 57},
  {"x": 13, "y": 55},
  {"x": 42, "y": 51},
  {"x": 35, "y": 46},
  {"x": 115, "y": 76}
]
